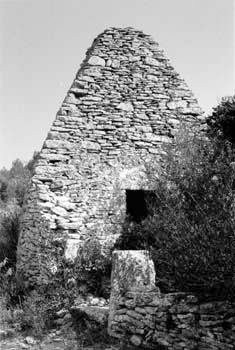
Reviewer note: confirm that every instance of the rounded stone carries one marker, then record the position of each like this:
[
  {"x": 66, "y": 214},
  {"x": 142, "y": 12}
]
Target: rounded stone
[
  {"x": 136, "y": 340},
  {"x": 96, "y": 61}
]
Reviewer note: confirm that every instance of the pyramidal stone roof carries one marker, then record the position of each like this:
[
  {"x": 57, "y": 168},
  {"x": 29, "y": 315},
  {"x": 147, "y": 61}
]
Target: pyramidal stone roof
[
  {"x": 126, "y": 99},
  {"x": 124, "y": 80}
]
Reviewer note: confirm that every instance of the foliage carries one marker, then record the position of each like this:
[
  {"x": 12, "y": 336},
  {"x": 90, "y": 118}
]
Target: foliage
[
  {"x": 134, "y": 236},
  {"x": 9, "y": 289},
  {"x": 14, "y": 182},
  {"x": 32, "y": 314},
  {"x": 33, "y": 310},
  {"x": 9, "y": 228},
  {"x": 93, "y": 265},
  {"x": 190, "y": 229},
  {"x": 221, "y": 123},
  {"x": 13, "y": 186}
]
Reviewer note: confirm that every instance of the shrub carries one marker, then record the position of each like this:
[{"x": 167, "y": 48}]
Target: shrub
[
  {"x": 93, "y": 266},
  {"x": 190, "y": 230},
  {"x": 5, "y": 315},
  {"x": 14, "y": 182},
  {"x": 33, "y": 310},
  {"x": 9, "y": 233},
  {"x": 221, "y": 123},
  {"x": 33, "y": 314}
]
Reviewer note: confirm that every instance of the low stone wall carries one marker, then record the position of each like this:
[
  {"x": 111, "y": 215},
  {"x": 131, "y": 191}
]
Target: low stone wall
[
  {"x": 153, "y": 320},
  {"x": 176, "y": 321}
]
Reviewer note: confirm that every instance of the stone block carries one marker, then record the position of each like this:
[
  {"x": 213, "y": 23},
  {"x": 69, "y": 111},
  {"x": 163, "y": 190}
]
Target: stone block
[
  {"x": 115, "y": 63},
  {"x": 132, "y": 270},
  {"x": 59, "y": 211},
  {"x": 72, "y": 246},
  {"x": 96, "y": 61},
  {"x": 176, "y": 104},
  {"x": 64, "y": 203},
  {"x": 126, "y": 106},
  {"x": 152, "y": 61},
  {"x": 136, "y": 340}
]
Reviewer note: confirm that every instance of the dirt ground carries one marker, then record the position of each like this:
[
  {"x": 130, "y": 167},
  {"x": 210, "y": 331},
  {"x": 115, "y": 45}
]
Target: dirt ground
[
  {"x": 18, "y": 343},
  {"x": 54, "y": 340}
]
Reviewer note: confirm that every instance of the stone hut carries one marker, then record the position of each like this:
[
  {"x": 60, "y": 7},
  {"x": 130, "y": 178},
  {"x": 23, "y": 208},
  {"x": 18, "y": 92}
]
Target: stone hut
[{"x": 125, "y": 102}]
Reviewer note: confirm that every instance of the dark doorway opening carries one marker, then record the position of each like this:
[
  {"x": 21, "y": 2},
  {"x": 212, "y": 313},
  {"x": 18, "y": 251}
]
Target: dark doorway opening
[{"x": 139, "y": 204}]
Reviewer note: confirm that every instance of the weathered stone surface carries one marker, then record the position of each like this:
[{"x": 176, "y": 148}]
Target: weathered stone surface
[
  {"x": 132, "y": 270},
  {"x": 134, "y": 178},
  {"x": 136, "y": 340},
  {"x": 177, "y": 321},
  {"x": 59, "y": 211},
  {"x": 72, "y": 246},
  {"x": 115, "y": 63},
  {"x": 177, "y": 104},
  {"x": 63, "y": 202},
  {"x": 149, "y": 319},
  {"x": 152, "y": 61},
  {"x": 122, "y": 107},
  {"x": 96, "y": 61},
  {"x": 125, "y": 106}
]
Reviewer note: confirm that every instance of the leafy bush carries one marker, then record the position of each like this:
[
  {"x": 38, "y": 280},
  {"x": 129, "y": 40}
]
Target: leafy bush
[
  {"x": 33, "y": 310},
  {"x": 190, "y": 229},
  {"x": 221, "y": 123},
  {"x": 93, "y": 266},
  {"x": 14, "y": 182},
  {"x": 13, "y": 186},
  {"x": 32, "y": 314},
  {"x": 5, "y": 315},
  {"x": 9, "y": 233}
]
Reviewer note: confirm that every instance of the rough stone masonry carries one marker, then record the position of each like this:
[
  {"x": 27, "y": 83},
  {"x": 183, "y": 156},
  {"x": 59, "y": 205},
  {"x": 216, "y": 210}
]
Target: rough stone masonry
[
  {"x": 140, "y": 314},
  {"x": 124, "y": 104}
]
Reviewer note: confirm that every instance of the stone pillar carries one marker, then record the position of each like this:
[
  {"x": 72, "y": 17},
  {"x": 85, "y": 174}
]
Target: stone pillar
[{"x": 132, "y": 270}]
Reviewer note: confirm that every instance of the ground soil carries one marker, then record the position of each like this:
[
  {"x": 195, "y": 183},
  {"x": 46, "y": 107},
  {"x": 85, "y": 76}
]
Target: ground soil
[{"x": 57, "y": 339}]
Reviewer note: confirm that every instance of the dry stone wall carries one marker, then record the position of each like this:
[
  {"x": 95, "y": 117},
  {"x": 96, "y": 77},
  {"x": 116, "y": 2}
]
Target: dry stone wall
[
  {"x": 174, "y": 321},
  {"x": 125, "y": 103},
  {"x": 131, "y": 269},
  {"x": 143, "y": 316}
]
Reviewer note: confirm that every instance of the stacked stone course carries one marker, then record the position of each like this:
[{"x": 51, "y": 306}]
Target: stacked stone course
[
  {"x": 176, "y": 321},
  {"x": 140, "y": 314},
  {"x": 125, "y": 103}
]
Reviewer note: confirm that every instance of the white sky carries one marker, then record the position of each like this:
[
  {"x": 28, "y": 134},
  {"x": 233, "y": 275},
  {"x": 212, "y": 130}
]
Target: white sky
[{"x": 43, "y": 42}]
